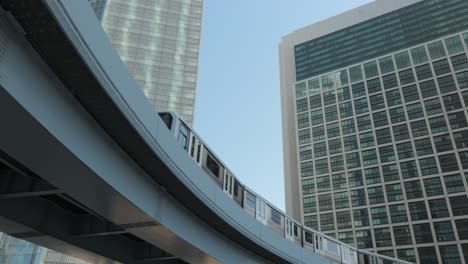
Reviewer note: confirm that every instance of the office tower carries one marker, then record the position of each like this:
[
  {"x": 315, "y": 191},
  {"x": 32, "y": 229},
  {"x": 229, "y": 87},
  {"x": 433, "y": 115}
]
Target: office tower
[
  {"x": 375, "y": 130},
  {"x": 159, "y": 41}
]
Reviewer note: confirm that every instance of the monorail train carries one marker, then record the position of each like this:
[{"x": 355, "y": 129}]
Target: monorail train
[{"x": 259, "y": 208}]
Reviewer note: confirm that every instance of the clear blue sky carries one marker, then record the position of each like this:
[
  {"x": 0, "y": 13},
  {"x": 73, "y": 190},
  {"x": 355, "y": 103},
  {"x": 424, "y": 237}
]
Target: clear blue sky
[{"x": 238, "y": 110}]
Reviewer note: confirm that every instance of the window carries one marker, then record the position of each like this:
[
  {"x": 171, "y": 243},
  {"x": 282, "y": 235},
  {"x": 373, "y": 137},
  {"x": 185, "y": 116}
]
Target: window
[
  {"x": 333, "y": 130},
  {"x": 401, "y": 132},
  {"x": 372, "y": 175},
  {"x": 361, "y": 106},
  {"x": 327, "y": 222},
  {"x": 428, "y": 166},
  {"x": 457, "y": 120},
  {"x": 464, "y": 160},
  {"x": 329, "y": 98},
  {"x": 315, "y": 101},
  {"x": 370, "y": 69},
  {"x": 454, "y": 183},
  {"x": 301, "y": 90},
  {"x": 413, "y": 189},
  {"x": 390, "y": 172},
  {"x": 301, "y": 105},
  {"x": 323, "y": 184},
  {"x": 423, "y": 147},
  {"x": 461, "y": 139},
  {"x": 393, "y": 98},
  {"x": 406, "y": 76},
  {"x": 364, "y": 239},
  {"x": 433, "y": 186},
  {"x": 428, "y": 88},
  {"x": 335, "y": 146},
  {"x": 183, "y": 136},
  {"x": 355, "y": 74},
  {"x": 390, "y": 81},
  {"x": 394, "y": 193},
  {"x": 275, "y": 217},
  {"x": 402, "y": 60},
  {"x": 444, "y": 231},
  {"x": 422, "y": 233},
  {"x": 325, "y": 202},
  {"x": 405, "y": 150},
  {"x": 402, "y": 235},
  {"x": 436, "y": 50},
  {"x": 311, "y": 221},
  {"x": 369, "y": 157},
  {"x": 446, "y": 84},
  {"x": 423, "y": 72},
  {"x": 303, "y": 120},
  {"x": 459, "y": 205},
  {"x": 321, "y": 166},
  {"x": 438, "y": 208},
  {"x": 318, "y": 133},
  {"x": 386, "y": 65},
  {"x": 459, "y": 62},
  {"x": 328, "y": 82},
  {"x": 379, "y": 215},
  {"x": 350, "y": 143},
  {"x": 449, "y": 254},
  {"x": 341, "y": 200},
  {"x": 419, "y": 128},
  {"x": 448, "y": 163},
  {"x": 337, "y": 163},
  {"x": 307, "y": 169},
  {"x": 462, "y": 79},
  {"x": 355, "y": 178},
  {"x": 361, "y": 217},
  {"x": 305, "y": 152},
  {"x": 376, "y": 195},
  {"x": 343, "y": 94},
  {"x": 304, "y": 136},
  {"x": 410, "y": 93},
  {"x": 358, "y": 197},
  {"x": 366, "y": 140},
  {"x": 352, "y": 160},
  {"x": 212, "y": 165},
  {"x": 310, "y": 204},
  {"x": 443, "y": 143},
  {"x": 343, "y": 220},
  {"x": 462, "y": 227},
  {"x": 377, "y": 102},
  {"x": 438, "y": 125},
  {"x": 346, "y": 110},
  {"x": 374, "y": 86},
  {"x": 433, "y": 107},
  {"x": 428, "y": 255},
  {"x": 407, "y": 254},
  {"x": 454, "y": 45},
  {"x": 387, "y": 154},
  {"x": 339, "y": 181},
  {"x": 418, "y": 211},
  {"x": 409, "y": 169},
  {"x": 331, "y": 114},
  {"x": 452, "y": 102},
  {"x": 347, "y": 126},
  {"x": 419, "y": 55},
  {"x": 380, "y": 119},
  {"x": 314, "y": 86},
  {"x": 308, "y": 186},
  {"x": 414, "y": 111},
  {"x": 250, "y": 200},
  {"x": 397, "y": 115},
  {"x": 317, "y": 117},
  {"x": 346, "y": 237},
  {"x": 441, "y": 67},
  {"x": 364, "y": 123},
  {"x": 383, "y": 237},
  {"x": 358, "y": 89}
]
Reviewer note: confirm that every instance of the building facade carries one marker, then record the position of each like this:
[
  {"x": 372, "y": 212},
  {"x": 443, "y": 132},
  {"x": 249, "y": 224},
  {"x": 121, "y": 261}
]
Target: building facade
[
  {"x": 159, "y": 41},
  {"x": 375, "y": 128}
]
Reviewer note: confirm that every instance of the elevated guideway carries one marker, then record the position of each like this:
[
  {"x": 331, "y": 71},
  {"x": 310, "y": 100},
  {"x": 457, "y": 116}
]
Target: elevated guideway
[{"x": 89, "y": 169}]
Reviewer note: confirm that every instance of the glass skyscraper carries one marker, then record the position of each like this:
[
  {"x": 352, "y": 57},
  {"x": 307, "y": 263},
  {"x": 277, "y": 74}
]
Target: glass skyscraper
[
  {"x": 159, "y": 41},
  {"x": 375, "y": 128}
]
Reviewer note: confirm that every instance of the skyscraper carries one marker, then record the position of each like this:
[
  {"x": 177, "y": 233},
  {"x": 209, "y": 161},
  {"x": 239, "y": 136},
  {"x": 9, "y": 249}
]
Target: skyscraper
[
  {"x": 159, "y": 41},
  {"x": 375, "y": 128}
]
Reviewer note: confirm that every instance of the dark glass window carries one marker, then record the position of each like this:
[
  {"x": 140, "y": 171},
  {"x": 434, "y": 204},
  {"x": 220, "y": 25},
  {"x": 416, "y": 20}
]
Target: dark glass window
[
  {"x": 414, "y": 111},
  {"x": 372, "y": 175},
  {"x": 461, "y": 139},
  {"x": 406, "y": 76},
  {"x": 419, "y": 128},
  {"x": 438, "y": 125},
  {"x": 457, "y": 120},
  {"x": 390, "y": 81},
  {"x": 462, "y": 227},
  {"x": 393, "y": 98},
  {"x": 398, "y": 213},
  {"x": 401, "y": 132},
  {"x": 423, "y": 147},
  {"x": 459, "y": 205},
  {"x": 379, "y": 215},
  {"x": 441, "y": 67},
  {"x": 462, "y": 79},
  {"x": 361, "y": 106},
  {"x": 433, "y": 186},
  {"x": 383, "y": 237},
  {"x": 417, "y": 211},
  {"x": 443, "y": 143},
  {"x": 438, "y": 208},
  {"x": 361, "y": 217},
  {"x": 358, "y": 197},
  {"x": 405, "y": 150},
  {"x": 343, "y": 220},
  {"x": 413, "y": 189},
  {"x": 459, "y": 62},
  {"x": 433, "y": 106},
  {"x": 428, "y": 166},
  {"x": 449, "y": 254},
  {"x": 397, "y": 115},
  {"x": 213, "y": 165},
  {"x": 383, "y": 136},
  {"x": 371, "y": 69},
  {"x": 358, "y": 90},
  {"x": 452, "y": 102},
  {"x": 409, "y": 169},
  {"x": 424, "y": 72},
  {"x": 374, "y": 85},
  {"x": 448, "y": 163},
  {"x": 377, "y": 102},
  {"x": 428, "y": 255},
  {"x": 410, "y": 93},
  {"x": 423, "y": 233},
  {"x": 355, "y": 178},
  {"x": 364, "y": 122},
  {"x": 444, "y": 231},
  {"x": 376, "y": 195},
  {"x": 402, "y": 235},
  {"x": 428, "y": 88}
]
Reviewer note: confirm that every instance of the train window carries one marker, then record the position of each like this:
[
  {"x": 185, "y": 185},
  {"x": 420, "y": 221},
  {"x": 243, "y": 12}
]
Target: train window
[
  {"x": 236, "y": 188},
  {"x": 193, "y": 146},
  {"x": 212, "y": 165},
  {"x": 250, "y": 200},
  {"x": 167, "y": 119},
  {"x": 275, "y": 217},
  {"x": 309, "y": 238},
  {"x": 198, "y": 151},
  {"x": 183, "y": 136}
]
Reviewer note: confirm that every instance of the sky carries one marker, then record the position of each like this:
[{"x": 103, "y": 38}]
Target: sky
[{"x": 238, "y": 108}]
